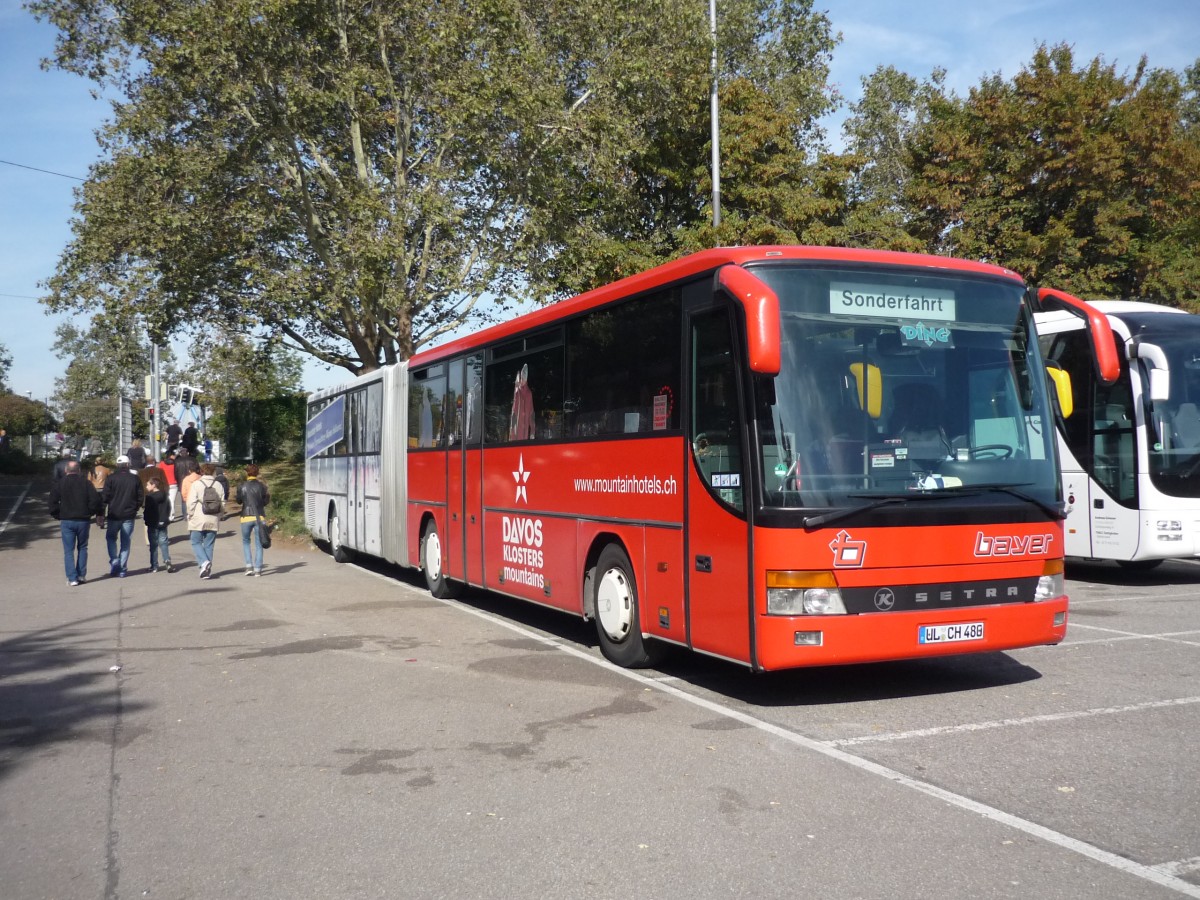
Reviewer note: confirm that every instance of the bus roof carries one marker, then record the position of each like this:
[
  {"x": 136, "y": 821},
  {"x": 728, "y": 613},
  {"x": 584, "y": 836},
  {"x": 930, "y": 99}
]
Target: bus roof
[{"x": 694, "y": 264}]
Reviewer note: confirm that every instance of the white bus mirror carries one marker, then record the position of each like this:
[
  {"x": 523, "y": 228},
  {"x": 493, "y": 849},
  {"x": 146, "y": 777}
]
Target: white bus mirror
[
  {"x": 1159, "y": 370},
  {"x": 1160, "y": 385}
]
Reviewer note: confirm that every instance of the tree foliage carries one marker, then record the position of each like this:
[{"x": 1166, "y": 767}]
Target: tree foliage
[
  {"x": 358, "y": 179},
  {"x": 106, "y": 361},
  {"x": 20, "y": 416},
  {"x": 5, "y": 366},
  {"x": 1085, "y": 178}
]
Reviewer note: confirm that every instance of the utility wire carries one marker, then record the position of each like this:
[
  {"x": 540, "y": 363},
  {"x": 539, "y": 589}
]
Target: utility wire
[{"x": 43, "y": 171}]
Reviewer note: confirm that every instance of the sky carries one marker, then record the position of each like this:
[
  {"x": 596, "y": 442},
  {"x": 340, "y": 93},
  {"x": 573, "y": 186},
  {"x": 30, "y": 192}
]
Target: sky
[{"x": 48, "y": 119}]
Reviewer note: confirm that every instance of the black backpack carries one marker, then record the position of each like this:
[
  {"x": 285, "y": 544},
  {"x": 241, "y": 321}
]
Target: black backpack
[{"x": 210, "y": 503}]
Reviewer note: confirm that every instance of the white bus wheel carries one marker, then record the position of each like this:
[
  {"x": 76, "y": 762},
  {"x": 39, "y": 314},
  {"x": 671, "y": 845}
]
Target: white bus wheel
[{"x": 618, "y": 623}]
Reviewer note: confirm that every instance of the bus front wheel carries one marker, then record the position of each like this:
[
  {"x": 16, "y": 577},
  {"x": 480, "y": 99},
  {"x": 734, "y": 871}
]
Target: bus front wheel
[
  {"x": 339, "y": 552},
  {"x": 616, "y": 603},
  {"x": 431, "y": 564}
]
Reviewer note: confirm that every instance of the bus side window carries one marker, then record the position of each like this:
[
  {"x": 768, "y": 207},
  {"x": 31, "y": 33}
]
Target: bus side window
[{"x": 716, "y": 420}]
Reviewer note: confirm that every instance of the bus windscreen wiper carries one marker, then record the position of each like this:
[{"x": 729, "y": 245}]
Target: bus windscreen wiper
[
  {"x": 967, "y": 490},
  {"x": 878, "y": 501}
]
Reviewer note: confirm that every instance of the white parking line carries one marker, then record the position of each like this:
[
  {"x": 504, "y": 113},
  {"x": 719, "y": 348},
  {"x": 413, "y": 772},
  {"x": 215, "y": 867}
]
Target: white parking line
[
  {"x": 1009, "y": 723},
  {"x": 1181, "y": 867},
  {"x": 1152, "y": 874},
  {"x": 12, "y": 512},
  {"x": 1171, "y": 637}
]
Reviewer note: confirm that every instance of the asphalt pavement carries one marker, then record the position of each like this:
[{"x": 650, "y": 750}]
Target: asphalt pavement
[{"x": 334, "y": 731}]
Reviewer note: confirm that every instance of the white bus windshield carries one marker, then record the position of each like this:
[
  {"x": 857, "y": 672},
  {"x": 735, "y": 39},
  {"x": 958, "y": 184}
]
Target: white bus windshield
[
  {"x": 896, "y": 382},
  {"x": 1175, "y": 437}
]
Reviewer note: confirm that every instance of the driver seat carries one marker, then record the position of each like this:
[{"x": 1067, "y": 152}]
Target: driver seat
[{"x": 916, "y": 409}]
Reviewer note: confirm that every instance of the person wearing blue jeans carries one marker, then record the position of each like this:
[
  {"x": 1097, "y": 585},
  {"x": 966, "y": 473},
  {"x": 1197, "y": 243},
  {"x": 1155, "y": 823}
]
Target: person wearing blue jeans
[
  {"x": 73, "y": 501},
  {"x": 119, "y": 531},
  {"x": 203, "y": 525},
  {"x": 157, "y": 517},
  {"x": 123, "y": 496},
  {"x": 254, "y": 497}
]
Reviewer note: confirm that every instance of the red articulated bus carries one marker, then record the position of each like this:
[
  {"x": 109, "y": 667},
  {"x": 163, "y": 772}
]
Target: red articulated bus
[{"x": 779, "y": 456}]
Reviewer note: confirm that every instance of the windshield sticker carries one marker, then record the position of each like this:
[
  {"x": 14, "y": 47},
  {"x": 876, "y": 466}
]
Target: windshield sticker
[
  {"x": 926, "y": 335},
  {"x": 874, "y": 300}
]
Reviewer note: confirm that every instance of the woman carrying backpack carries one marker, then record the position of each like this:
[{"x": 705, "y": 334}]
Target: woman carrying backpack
[
  {"x": 205, "y": 501},
  {"x": 254, "y": 497}
]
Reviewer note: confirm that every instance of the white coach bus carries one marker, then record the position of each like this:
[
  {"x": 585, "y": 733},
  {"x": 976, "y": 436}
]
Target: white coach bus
[{"x": 1130, "y": 452}]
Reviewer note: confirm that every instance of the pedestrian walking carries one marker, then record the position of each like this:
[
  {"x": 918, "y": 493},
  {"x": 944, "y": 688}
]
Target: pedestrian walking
[
  {"x": 191, "y": 472},
  {"x": 174, "y": 435},
  {"x": 254, "y": 497},
  {"x": 191, "y": 439},
  {"x": 157, "y": 516},
  {"x": 123, "y": 497},
  {"x": 204, "y": 505},
  {"x": 73, "y": 501},
  {"x": 60, "y": 467},
  {"x": 167, "y": 467},
  {"x": 137, "y": 455}
]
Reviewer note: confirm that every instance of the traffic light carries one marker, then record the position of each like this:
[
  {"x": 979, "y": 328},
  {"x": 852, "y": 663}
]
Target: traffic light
[
  {"x": 186, "y": 395},
  {"x": 150, "y": 413}
]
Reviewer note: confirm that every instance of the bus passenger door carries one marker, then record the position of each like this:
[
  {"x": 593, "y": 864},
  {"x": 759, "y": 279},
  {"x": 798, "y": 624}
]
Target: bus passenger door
[
  {"x": 456, "y": 541},
  {"x": 719, "y": 607},
  {"x": 473, "y": 477}
]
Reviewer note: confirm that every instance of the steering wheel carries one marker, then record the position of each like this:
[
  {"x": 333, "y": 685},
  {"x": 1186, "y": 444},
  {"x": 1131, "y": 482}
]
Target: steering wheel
[{"x": 990, "y": 451}]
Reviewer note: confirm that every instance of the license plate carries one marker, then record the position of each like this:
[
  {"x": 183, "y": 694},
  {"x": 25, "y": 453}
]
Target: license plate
[{"x": 949, "y": 634}]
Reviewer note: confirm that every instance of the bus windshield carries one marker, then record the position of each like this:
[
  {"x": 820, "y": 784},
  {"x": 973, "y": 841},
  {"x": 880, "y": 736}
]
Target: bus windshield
[
  {"x": 897, "y": 382},
  {"x": 1175, "y": 438}
]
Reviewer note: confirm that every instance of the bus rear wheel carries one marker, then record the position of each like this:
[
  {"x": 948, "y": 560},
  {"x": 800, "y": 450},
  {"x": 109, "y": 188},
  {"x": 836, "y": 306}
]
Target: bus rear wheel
[
  {"x": 339, "y": 552},
  {"x": 618, "y": 622},
  {"x": 431, "y": 564}
]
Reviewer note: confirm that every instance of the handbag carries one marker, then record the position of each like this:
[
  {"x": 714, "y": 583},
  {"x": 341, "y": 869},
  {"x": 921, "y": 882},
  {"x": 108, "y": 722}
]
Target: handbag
[{"x": 264, "y": 533}]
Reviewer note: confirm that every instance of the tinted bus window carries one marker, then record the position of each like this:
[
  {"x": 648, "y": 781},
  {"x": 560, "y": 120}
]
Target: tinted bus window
[
  {"x": 624, "y": 365},
  {"x": 426, "y": 408},
  {"x": 524, "y": 393}
]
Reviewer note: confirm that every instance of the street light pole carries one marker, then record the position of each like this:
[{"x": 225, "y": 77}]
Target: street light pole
[{"x": 716, "y": 126}]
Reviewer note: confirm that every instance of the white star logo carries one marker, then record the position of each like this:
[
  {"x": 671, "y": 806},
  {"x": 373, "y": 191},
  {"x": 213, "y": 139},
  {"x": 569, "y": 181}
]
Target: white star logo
[{"x": 521, "y": 477}]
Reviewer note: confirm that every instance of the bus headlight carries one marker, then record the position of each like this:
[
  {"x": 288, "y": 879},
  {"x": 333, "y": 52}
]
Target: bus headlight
[
  {"x": 1051, "y": 584},
  {"x": 803, "y": 594}
]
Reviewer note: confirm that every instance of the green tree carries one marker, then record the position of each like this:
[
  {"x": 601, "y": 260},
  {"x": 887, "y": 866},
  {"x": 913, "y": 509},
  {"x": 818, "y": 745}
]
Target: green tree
[
  {"x": 359, "y": 179},
  {"x": 21, "y": 416},
  {"x": 354, "y": 179},
  {"x": 879, "y": 132},
  {"x": 1084, "y": 178},
  {"x": 104, "y": 363},
  {"x": 229, "y": 365},
  {"x": 5, "y": 366}
]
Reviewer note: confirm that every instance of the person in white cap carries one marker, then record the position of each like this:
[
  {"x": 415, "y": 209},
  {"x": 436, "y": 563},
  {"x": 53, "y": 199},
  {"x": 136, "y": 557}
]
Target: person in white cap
[{"x": 123, "y": 497}]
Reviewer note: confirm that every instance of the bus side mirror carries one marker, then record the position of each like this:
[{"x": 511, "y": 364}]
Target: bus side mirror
[
  {"x": 1100, "y": 333},
  {"x": 1160, "y": 371},
  {"x": 761, "y": 306},
  {"x": 869, "y": 381},
  {"x": 1061, "y": 379}
]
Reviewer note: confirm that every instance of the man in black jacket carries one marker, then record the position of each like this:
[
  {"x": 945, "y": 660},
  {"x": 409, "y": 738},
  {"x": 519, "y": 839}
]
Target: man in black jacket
[
  {"x": 73, "y": 501},
  {"x": 123, "y": 497}
]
